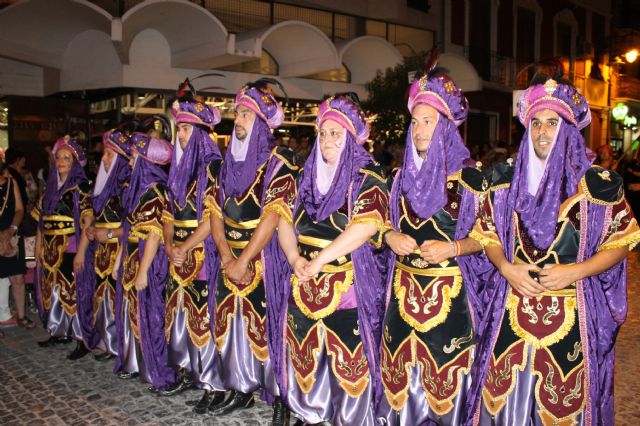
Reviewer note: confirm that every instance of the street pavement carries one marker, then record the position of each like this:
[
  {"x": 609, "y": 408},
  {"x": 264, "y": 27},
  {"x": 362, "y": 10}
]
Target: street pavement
[{"x": 41, "y": 387}]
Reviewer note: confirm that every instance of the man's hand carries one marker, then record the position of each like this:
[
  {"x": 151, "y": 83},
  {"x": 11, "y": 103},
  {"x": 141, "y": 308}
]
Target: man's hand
[
  {"x": 78, "y": 263},
  {"x": 401, "y": 244},
  {"x": 179, "y": 256},
  {"x": 90, "y": 231},
  {"x": 238, "y": 272},
  {"x": 100, "y": 235},
  {"x": 434, "y": 251},
  {"x": 300, "y": 266},
  {"x": 141, "y": 281},
  {"x": 518, "y": 277},
  {"x": 557, "y": 277},
  {"x": 313, "y": 268}
]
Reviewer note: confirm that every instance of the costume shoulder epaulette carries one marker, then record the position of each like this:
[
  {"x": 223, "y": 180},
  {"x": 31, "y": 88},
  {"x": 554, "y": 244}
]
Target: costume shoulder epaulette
[
  {"x": 602, "y": 186},
  {"x": 287, "y": 157},
  {"x": 475, "y": 179},
  {"x": 502, "y": 175},
  {"x": 374, "y": 169}
]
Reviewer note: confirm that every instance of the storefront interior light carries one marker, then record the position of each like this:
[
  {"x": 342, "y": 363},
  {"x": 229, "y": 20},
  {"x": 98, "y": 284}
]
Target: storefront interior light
[
  {"x": 620, "y": 111},
  {"x": 631, "y": 55}
]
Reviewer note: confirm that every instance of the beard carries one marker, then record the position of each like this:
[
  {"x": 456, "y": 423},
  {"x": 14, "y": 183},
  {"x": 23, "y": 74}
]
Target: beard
[{"x": 241, "y": 132}]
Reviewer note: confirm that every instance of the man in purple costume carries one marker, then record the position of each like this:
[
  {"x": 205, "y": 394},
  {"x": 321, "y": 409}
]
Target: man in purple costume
[
  {"x": 557, "y": 230},
  {"x": 113, "y": 175},
  {"x": 193, "y": 255},
  {"x": 140, "y": 305},
  {"x": 335, "y": 302},
  {"x": 257, "y": 186},
  {"x": 428, "y": 342}
]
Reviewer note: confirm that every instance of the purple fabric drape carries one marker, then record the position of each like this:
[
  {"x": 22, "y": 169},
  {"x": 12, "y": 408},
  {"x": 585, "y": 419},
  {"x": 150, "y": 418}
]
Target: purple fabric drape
[
  {"x": 566, "y": 164},
  {"x": 353, "y": 158},
  {"x": 426, "y": 188},
  {"x": 276, "y": 282},
  {"x": 236, "y": 176}
]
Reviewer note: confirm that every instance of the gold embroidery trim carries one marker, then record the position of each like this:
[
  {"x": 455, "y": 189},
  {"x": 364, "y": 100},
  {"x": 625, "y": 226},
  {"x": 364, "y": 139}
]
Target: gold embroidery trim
[
  {"x": 630, "y": 240},
  {"x": 555, "y": 337},
  {"x": 340, "y": 287},
  {"x": 353, "y": 389},
  {"x": 261, "y": 353},
  {"x": 221, "y": 338},
  {"x": 280, "y": 208},
  {"x": 548, "y": 418},
  {"x": 494, "y": 404},
  {"x": 448, "y": 293},
  {"x": 237, "y": 244},
  {"x": 60, "y": 248},
  {"x": 306, "y": 383},
  {"x": 443, "y": 406},
  {"x": 112, "y": 257},
  {"x": 585, "y": 190},
  {"x": 485, "y": 239},
  {"x": 398, "y": 400},
  {"x": 198, "y": 341}
]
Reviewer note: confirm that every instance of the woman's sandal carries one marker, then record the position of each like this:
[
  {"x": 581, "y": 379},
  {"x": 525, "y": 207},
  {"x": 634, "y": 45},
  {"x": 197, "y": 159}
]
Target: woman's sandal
[{"x": 26, "y": 322}]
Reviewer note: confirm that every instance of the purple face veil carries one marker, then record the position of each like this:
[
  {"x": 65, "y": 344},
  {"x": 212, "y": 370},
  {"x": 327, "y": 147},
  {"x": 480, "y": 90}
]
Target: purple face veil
[{"x": 425, "y": 188}]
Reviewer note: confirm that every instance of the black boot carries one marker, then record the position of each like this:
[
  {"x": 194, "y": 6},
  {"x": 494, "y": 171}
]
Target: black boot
[
  {"x": 207, "y": 398},
  {"x": 299, "y": 422},
  {"x": 103, "y": 357},
  {"x": 179, "y": 387},
  {"x": 220, "y": 400},
  {"x": 280, "y": 413},
  {"x": 126, "y": 375},
  {"x": 78, "y": 352},
  {"x": 236, "y": 401}
]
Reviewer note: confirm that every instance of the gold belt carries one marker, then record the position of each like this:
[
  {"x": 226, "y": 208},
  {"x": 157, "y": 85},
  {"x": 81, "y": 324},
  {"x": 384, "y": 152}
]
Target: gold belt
[
  {"x": 333, "y": 269},
  {"x": 249, "y": 224},
  {"x": 133, "y": 239},
  {"x": 108, "y": 225},
  {"x": 237, "y": 244},
  {"x": 57, "y": 218},
  {"x": 63, "y": 231},
  {"x": 430, "y": 272},
  {"x": 313, "y": 241},
  {"x": 191, "y": 223}
]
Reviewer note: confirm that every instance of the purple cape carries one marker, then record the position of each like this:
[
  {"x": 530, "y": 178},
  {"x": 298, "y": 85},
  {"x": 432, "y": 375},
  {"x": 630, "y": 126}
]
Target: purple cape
[
  {"x": 236, "y": 176},
  {"x": 426, "y": 188}
]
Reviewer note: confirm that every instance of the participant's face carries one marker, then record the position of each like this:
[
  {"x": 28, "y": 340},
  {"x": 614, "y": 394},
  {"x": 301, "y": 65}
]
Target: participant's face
[
  {"x": 243, "y": 122},
  {"x": 330, "y": 138},
  {"x": 423, "y": 123},
  {"x": 184, "y": 134},
  {"x": 107, "y": 159},
  {"x": 64, "y": 161},
  {"x": 544, "y": 126}
]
